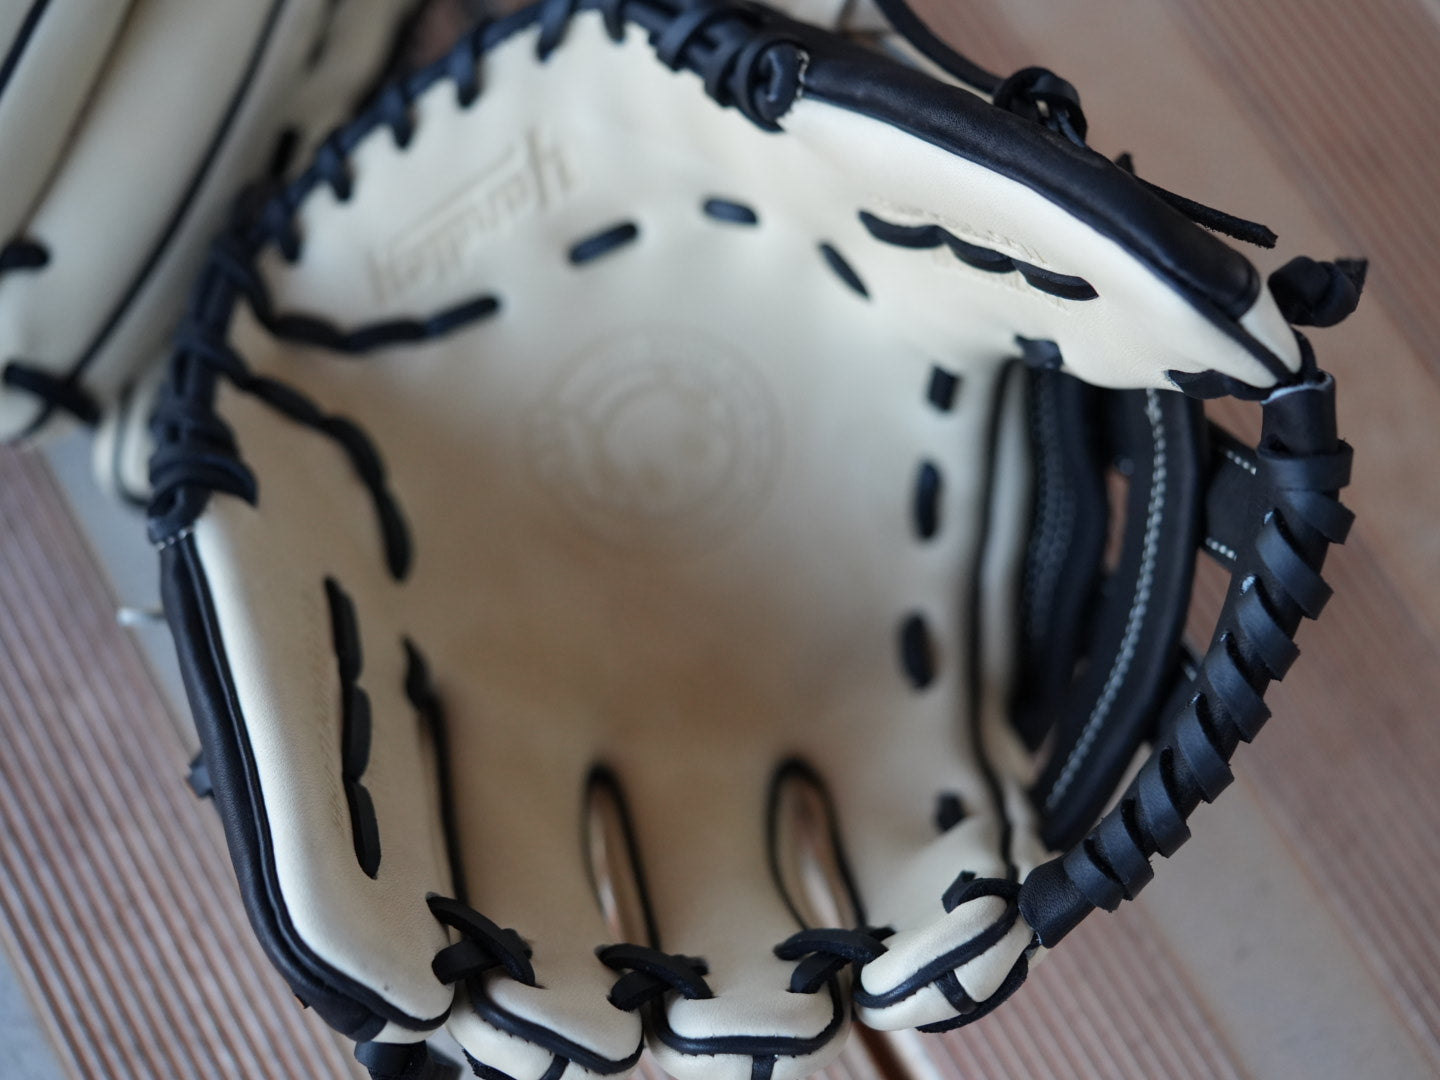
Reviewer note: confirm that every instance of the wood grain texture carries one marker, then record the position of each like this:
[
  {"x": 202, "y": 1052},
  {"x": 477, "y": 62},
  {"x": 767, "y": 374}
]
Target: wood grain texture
[{"x": 119, "y": 901}]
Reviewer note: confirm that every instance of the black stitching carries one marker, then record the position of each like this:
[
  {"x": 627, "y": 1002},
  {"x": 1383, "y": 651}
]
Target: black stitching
[
  {"x": 604, "y": 242},
  {"x": 949, "y": 811},
  {"x": 843, "y": 270},
  {"x": 943, "y": 389},
  {"x": 355, "y": 727},
  {"x": 916, "y": 653},
  {"x": 1065, "y": 286},
  {"x": 734, "y": 213},
  {"x": 928, "y": 487}
]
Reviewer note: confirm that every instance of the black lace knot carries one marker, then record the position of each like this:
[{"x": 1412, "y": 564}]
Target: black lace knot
[
  {"x": 1040, "y": 95},
  {"x": 484, "y": 945},
  {"x": 650, "y": 973},
  {"x": 1314, "y": 293},
  {"x": 742, "y": 62},
  {"x": 823, "y": 953}
]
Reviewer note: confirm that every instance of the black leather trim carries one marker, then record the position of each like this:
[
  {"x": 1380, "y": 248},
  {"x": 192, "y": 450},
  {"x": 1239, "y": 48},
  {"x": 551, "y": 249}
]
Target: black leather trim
[
  {"x": 351, "y": 1008},
  {"x": 658, "y": 1023},
  {"x": 546, "y": 1038},
  {"x": 926, "y": 975}
]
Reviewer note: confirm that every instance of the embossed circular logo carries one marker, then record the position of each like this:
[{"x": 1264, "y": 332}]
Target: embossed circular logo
[{"x": 658, "y": 439}]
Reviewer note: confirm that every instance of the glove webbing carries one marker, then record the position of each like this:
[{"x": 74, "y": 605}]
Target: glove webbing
[{"x": 1276, "y": 582}]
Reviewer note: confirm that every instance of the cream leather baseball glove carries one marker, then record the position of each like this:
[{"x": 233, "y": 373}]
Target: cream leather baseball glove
[{"x": 634, "y": 523}]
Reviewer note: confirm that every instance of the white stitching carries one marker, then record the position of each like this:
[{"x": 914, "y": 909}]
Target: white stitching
[
  {"x": 1134, "y": 622},
  {"x": 1248, "y": 466},
  {"x": 1221, "y": 549},
  {"x": 173, "y": 540}
]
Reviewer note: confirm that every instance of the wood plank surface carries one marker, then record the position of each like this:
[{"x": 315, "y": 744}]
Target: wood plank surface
[{"x": 1294, "y": 937}]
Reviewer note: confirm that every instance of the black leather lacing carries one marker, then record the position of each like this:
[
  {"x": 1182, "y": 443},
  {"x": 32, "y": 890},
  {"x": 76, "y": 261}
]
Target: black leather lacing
[
  {"x": 824, "y": 952},
  {"x": 650, "y": 973},
  {"x": 196, "y": 449},
  {"x": 1277, "y": 582},
  {"x": 403, "y": 1061},
  {"x": 743, "y": 60},
  {"x": 483, "y": 945},
  {"x": 1042, "y": 96}
]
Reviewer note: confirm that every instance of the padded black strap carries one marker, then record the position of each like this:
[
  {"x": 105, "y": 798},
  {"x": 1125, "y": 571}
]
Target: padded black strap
[
  {"x": 1066, "y": 543},
  {"x": 1133, "y": 641}
]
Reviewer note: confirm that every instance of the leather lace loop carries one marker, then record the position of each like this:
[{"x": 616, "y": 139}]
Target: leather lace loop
[
  {"x": 1039, "y": 94},
  {"x": 824, "y": 953},
  {"x": 484, "y": 945},
  {"x": 650, "y": 973}
]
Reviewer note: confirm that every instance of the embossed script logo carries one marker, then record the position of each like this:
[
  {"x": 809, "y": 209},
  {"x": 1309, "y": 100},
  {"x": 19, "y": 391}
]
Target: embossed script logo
[
  {"x": 530, "y": 176},
  {"x": 658, "y": 439}
]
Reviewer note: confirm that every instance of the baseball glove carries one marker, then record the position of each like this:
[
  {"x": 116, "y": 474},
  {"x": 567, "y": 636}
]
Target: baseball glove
[
  {"x": 634, "y": 518},
  {"x": 128, "y": 127}
]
